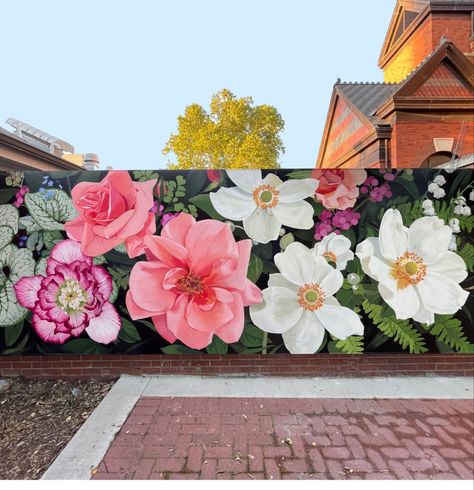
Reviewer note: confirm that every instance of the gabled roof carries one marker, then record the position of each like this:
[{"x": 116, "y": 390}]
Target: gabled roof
[
  {"x": 446, "y": 60},
  {"x": 367, "y": 97},
  {"x": 410, "y": 13}
]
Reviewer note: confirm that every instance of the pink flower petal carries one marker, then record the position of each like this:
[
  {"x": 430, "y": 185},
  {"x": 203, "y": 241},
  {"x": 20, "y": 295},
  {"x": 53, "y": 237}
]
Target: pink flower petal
[
  {"x": 104, "y": 280},
  {"x": 166, "y": 251},
  {"x": 105, "y": 327},
  {"x": 211, "y": 245},
  {"x": 208, "y": 320},
  {"x": 162, "y": 328},
  {"x": 67, "y": 252},
  {"x": 178, "y": 325},
  {"x": 48, "y": 332},
  {"x": 177, "y": 229},
  {"x": 146, "y": 285},
  {"x": 232, "y": 331},
  {"x": 74, "y": 228},
  {"x": 26, "y": 290}
]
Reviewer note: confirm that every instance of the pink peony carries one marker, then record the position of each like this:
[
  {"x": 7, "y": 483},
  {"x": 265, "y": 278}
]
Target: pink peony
[
  {"x": 111, "y": 212},
  {"x": 71, "y": 298},
  {"x": 194, "y": 284},
  {"x": 338, "y": 189}
]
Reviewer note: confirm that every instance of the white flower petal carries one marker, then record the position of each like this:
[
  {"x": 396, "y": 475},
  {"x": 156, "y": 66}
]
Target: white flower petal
[
  {"x": 272, "y": 180},
  {"x": 296, "y": 190},
  {"x": 247, "y": 180},
  {"x": 451, "y": 265},
  {"x": 429, "y": 238},
  {"x": 306, "y": 336},
  {"x": 441, "y": 295},
  {"x": 424, "y": 316},
  {"x": 279, "y": 281},
  {"x": 262, "y": 226},
  {"x": 297, "y": 264},
  {"x": 393, "y": 236},
  {"x": 337, "y": 244},
  {"x": 371, "y": 259},
  {"x": 332, "y": 281},
  {"x": 298, "y": 215},
  {"x": 340, "y": 321},
  {"x": 233, "y": 203},
  {"x": 278, "y": 312},
  {"x": 404, "y": 302},
  {"x": 341, "y": 262}
]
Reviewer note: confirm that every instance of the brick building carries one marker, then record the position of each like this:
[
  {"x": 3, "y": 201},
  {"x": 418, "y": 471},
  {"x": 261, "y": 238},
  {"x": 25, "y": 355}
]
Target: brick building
[{"x": 422, "y": 115}]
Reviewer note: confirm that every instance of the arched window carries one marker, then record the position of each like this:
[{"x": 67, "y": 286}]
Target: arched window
[{"x": 437, "y": 159}]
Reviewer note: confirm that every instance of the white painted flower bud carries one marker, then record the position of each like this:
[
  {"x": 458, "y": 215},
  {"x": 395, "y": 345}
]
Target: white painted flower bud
[{"x": 353, "y": 279}]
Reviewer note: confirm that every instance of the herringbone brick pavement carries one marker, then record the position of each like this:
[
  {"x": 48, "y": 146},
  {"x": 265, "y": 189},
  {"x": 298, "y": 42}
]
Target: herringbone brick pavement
[{"x": 222, "y": 438}]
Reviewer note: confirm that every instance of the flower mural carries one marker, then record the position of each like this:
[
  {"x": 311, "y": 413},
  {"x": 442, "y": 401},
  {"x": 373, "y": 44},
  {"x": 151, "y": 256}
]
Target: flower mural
[{"x": 242, "y": 261}]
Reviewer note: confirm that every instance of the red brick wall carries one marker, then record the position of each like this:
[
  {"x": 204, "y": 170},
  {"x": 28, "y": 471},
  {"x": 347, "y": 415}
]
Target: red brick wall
[
  {"x": 456, "y": 27},
  {"x": 111, "y": 366},
  {"x": 412, "y": 142}
]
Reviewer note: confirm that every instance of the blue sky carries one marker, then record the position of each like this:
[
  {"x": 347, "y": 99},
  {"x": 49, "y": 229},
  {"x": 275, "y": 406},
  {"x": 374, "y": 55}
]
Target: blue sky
[{"x": 111, "y": 77}]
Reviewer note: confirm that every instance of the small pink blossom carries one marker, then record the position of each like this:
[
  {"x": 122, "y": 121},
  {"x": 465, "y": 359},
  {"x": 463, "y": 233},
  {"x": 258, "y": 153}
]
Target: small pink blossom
[
  {"x": 338, "y": 189},
  {"x": 194, "y": 284},
  {"x": 72, "y": 298}
]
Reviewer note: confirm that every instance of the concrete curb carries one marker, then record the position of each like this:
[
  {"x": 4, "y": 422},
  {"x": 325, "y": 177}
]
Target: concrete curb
[{"x": 88, "y": 447}]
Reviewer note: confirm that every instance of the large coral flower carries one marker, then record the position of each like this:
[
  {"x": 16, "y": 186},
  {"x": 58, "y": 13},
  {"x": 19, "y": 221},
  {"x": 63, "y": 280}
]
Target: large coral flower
[
  {"x": 113, "y": 211},
  {"x": 72, "y": 297},
  {"x": 194, "y": 284}
]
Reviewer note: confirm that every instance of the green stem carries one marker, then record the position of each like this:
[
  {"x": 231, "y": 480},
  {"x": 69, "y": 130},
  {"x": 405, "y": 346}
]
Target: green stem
[
  {"x": 360, "y": 205},
  {"x": 264, "y": 342}
]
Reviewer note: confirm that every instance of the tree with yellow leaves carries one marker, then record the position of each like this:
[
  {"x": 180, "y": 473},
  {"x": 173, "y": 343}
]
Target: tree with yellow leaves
[{"x": 233, "y": 134}]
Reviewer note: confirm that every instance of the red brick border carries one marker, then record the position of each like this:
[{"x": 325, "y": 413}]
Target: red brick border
[{"x": 111, "y": 366}]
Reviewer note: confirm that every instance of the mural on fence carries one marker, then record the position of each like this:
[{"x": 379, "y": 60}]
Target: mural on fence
[{"x": 338, "y": 261}]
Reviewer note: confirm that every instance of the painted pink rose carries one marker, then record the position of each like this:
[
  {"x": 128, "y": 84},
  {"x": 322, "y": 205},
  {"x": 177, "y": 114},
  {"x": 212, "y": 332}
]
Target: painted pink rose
[
  {"x": 72, "y": 298},
  {"x": 338, "y": 189},
  {"x": 194, "y": 284},
  {"x": 113, "y": 211}
]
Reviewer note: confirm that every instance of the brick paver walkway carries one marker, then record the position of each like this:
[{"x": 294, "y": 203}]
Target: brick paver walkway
[{"x": 222, "y": 438}]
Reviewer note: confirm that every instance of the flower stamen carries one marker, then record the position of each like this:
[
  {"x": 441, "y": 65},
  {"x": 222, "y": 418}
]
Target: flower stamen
[
  {"x": 191, "y": 285},
  {"x": 311, "y": 297},
  {"x": 408, "y": 270},
  {"x": 71, "y": 298},
  {"x": 266, "y": 196},
  {"x": 330, "y": 257}
]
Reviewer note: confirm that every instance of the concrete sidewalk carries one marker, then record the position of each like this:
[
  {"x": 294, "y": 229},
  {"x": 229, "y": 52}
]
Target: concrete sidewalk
[{"x": 272, "y": 428}]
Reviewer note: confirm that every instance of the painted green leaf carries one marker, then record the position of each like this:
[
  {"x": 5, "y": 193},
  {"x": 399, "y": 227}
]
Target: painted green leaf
[
  {"x": 50, "y": 214},
  {"x": 217, "y": 347},
  {"x": 15, "y": 263},
  {"x": 8, "y": 223},
  {"x": 252, "y": 336},
  {"x": 7, "y": 194},
  {"x": 255, "y": 268},
  {"x": 12, "y": 334},
  {"x": 84, "y": 346},
  {"x": 351, "y": 345},
  {"x": 449, "y": 331},
  {"x": 128, "y": 333},
  {"x": 177, "y": 349},
  {"x": 203, "y": 202}
]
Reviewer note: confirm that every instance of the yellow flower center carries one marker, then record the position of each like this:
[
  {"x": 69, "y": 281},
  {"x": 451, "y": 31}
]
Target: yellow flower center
[
  {"x": 408, "y": 270},
  {"x": 266, "y": 196},
  {"x": 311, "y": 297},
  {"x": 71, "y": 297},
  {"x": 330, "y": 257}
]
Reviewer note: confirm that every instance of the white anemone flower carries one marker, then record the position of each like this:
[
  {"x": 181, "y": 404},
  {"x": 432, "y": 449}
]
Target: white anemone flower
[
  {"x": 417, "y": 274},
  {"x": 335, "y": 249},
  {"x": 299, "y": 302},
  {"x": 264, "y": 205}
]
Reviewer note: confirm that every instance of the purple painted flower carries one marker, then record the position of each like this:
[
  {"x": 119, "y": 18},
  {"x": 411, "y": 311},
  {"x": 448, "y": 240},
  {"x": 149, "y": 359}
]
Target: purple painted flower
[
  {"x": 72, "y": 297},
  {"x": 167, "y": 217}
]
